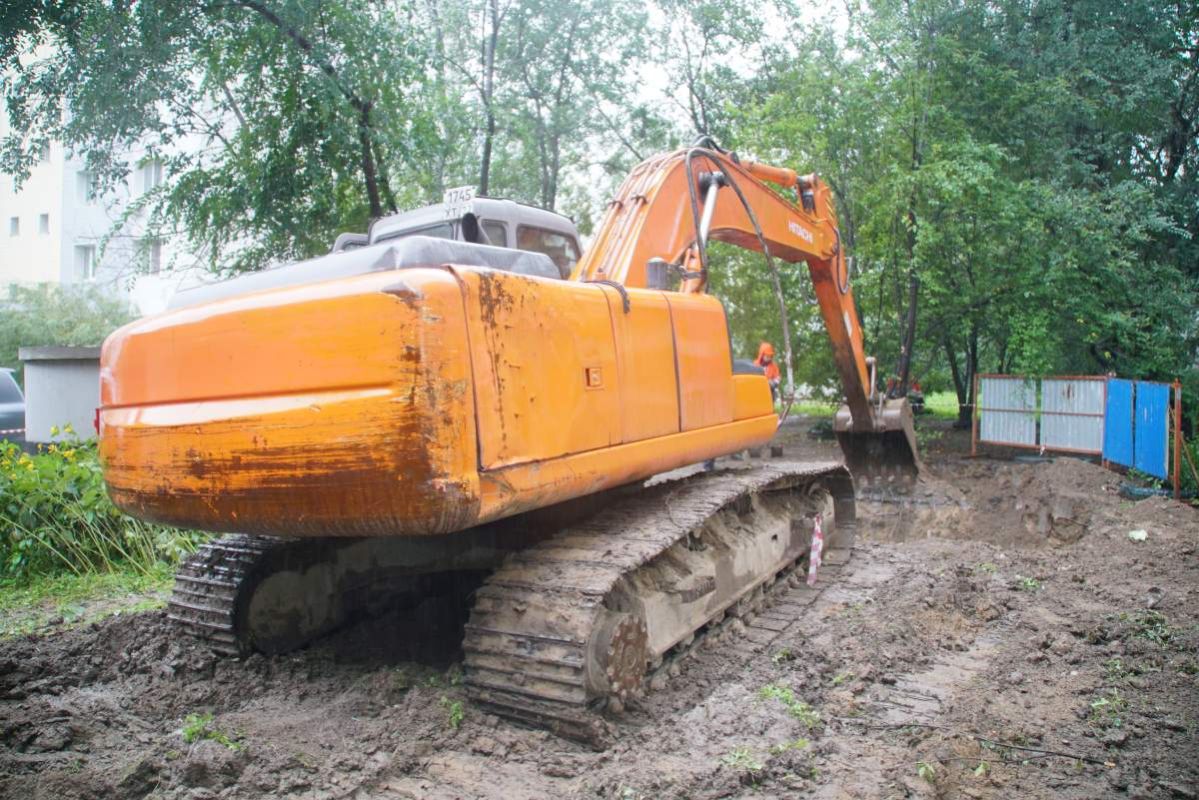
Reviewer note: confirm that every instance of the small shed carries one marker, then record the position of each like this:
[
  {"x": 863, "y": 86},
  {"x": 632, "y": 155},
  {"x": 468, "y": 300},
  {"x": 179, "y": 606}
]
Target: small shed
[{"x": 62, "y": 386}]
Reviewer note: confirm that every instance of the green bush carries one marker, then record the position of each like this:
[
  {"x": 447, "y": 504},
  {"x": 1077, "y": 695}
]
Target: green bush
[{"x": 55, "y": 517}]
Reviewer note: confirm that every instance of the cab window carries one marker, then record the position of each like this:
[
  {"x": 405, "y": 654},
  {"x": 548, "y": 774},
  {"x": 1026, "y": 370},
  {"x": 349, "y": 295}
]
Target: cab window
[
  {"x": 497, "y": 232},
  {"x": 563, "y": 250}
]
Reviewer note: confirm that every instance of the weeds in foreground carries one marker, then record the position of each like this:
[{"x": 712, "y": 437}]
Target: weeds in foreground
[
  {"x": 842, "y": 678},
  {"x": 1114, "y": 670},
  {"x": 455, "y": 710},
  {"x": 1154, "y": 626},
  {"x": 743, "y": 759},
  {"x": 926, "y": 771},
  {"x": 1024, "y": 584},
  {"x": 798, "y": 744},
  {"x": 198, "y": 727},
  {"x": 1108, "y": 710},
  {"x": 795, "y": 707}
]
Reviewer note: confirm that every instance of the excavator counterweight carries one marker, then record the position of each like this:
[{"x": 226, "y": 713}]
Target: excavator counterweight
[{"x": 406, "y": 409}]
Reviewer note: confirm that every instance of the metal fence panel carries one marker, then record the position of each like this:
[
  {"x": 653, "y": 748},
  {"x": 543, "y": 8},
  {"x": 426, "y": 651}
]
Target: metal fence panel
[
  {"x": 1008, "y": 411},
  {"x": 1072, "y": 414},
  {"x": 1152, "y": 428},
  {"x": 1117, "y": 424}
]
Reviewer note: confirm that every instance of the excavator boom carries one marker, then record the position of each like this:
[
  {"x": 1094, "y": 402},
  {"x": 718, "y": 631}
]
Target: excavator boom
[{"x": 730, "y": 201}]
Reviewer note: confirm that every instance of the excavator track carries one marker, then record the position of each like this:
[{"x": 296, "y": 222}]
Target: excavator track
[
  {"x": 586, "y": 610},
  {"x": 584, "y": 621},
  {"x": 243, "y": 593},
  {"x": 204, "y": 602}
]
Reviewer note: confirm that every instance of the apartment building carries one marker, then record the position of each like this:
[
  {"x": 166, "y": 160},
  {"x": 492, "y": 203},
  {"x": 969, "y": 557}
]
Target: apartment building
[{"x": 57, "y": 228}]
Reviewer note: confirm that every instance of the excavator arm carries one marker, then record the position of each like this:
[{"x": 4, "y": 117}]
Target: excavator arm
[{"x": 671, "y": 205}]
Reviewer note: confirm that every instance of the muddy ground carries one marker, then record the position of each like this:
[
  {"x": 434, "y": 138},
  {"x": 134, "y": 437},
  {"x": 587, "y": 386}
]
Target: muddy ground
[{"x": 999, "y": 636}]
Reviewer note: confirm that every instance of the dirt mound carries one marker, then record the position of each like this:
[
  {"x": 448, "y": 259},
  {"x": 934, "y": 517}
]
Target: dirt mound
[{"x": 1007, "y": 503}]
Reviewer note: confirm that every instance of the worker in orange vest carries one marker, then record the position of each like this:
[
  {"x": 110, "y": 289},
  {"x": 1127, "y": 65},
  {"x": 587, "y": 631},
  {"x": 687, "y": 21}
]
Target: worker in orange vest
[{"x": 765, "y": 360}]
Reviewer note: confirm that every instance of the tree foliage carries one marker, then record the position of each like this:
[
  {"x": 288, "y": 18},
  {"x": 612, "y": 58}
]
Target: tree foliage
[
  {"x": 1011, "y": 178},
  {"x": 33, "y": 316}
]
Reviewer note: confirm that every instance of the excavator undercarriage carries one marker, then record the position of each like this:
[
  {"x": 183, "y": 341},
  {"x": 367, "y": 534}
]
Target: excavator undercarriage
[{"x": 583, "y": 610}]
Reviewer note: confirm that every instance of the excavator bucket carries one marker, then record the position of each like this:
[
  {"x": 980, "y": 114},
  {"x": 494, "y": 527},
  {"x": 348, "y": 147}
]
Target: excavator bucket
[{"x": 885, "y": 457}]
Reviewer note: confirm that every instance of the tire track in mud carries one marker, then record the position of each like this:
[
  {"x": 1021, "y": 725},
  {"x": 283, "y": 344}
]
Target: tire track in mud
[{"x": 690, "y": 711}]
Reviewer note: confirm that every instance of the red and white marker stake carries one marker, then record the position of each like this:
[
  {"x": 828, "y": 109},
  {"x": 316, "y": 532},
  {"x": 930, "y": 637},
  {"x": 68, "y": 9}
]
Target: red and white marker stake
[{"x": 817, "y": 548}]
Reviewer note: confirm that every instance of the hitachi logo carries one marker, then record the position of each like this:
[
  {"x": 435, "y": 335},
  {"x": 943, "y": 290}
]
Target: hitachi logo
[{"x": 801, "y": 231}]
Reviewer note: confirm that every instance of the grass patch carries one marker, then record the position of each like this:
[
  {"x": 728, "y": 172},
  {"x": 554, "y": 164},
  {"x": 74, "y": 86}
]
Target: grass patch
[
  {"x": 814, "y": 408},
  {"x": 795, "y": 707},
  {"x": 31, "y": 604},
  {"x": 938, "y": 405},
  {"x": 743, "y": 760},
  {"x": 198, "y": 727},
  {"x": 942, "y": 405}
]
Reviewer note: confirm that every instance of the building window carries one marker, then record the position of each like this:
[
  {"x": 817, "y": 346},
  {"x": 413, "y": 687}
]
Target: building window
[
  {"x": 85, "y": 186},
  {"x": 43, "y": 223},
  {"x": 153, "y": 254},
  {"x": 151, "y": 174},
  {"x": 14, "y": 226},
  {"x": 85, "y": 262}
]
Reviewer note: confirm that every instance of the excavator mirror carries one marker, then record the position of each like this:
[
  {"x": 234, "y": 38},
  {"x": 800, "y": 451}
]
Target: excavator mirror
[{"x": 472, "y": 231}]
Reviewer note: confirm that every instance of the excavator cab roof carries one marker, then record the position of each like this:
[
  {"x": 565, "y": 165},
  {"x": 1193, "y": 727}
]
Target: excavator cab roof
[
  {"x": 484, "y": 220},
  {"x": 410, "y": 251}
]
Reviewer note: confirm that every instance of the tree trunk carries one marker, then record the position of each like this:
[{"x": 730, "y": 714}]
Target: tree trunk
[
  {"x": 368, "y": 160},
  {"x": 904, "y": 368},
  {"x": 966, "y": 412},
  {"x": 489, "y": 96},
  {"x": 959, "y": 386},
  {"x": 384, "y": 182}
]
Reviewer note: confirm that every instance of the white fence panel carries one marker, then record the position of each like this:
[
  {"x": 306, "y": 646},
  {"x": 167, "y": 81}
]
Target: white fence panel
[
  {"x": 1072, "y": 414},
  {"x": 1008, "y": 411}
]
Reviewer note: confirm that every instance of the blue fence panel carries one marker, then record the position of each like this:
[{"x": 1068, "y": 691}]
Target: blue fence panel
[
  {"x": 1152, "y": 428},
  {"x": 1117, "y": 423}
]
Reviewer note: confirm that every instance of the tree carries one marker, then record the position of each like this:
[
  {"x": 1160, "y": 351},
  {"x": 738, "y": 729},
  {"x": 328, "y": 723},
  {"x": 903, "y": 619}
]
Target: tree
[
  {"x": 698, "y": 43},
  {"x": 34, "y": 316},
  {"x": 1002, "y": 179},
  {"x": 279, "y": 123}
]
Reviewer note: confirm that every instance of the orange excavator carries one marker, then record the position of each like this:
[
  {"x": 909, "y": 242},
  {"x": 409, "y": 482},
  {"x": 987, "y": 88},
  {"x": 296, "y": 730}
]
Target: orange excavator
[{"x": 381, "y": 419}]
